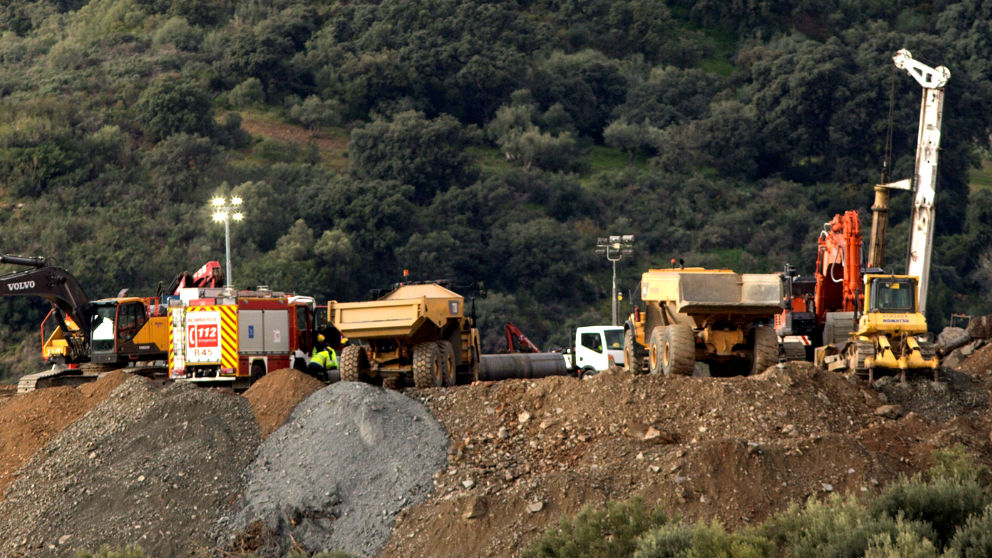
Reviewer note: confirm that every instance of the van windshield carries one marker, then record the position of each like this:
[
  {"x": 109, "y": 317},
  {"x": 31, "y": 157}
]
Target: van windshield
[{"x": 614, "y": 339}]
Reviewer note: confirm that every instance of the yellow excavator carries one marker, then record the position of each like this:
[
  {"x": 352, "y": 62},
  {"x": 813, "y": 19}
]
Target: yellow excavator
[
  {"x": 80, "y": 337},
  {"x": 891, "y": 332}
]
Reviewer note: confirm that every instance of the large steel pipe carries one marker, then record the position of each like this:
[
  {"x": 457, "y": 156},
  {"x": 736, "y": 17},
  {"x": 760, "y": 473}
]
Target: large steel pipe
[{"x": 521, "y": 365}]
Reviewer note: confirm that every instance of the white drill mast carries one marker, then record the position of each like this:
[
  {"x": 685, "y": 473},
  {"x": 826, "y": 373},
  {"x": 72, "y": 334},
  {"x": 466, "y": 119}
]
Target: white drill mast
[{"x": 925, "y": 178}]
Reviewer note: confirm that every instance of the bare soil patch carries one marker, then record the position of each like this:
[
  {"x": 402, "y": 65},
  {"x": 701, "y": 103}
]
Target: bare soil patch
[
  {"x": 524, "y": 452},
  {"x": 275, "y": 396}
]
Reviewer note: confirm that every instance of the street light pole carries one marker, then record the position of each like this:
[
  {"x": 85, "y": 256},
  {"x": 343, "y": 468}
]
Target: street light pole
[
  {"x": 615, "y": 248},
  {"x": 225, "y": 210}
]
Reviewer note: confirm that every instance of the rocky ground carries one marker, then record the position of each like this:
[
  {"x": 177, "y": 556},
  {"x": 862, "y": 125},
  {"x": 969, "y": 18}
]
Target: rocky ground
[
  {"x": 125, "y": 461},
  {"x": 737, "y": 449}
]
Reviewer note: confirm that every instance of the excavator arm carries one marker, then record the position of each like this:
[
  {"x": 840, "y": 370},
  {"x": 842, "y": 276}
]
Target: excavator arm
[
  {"x": 60, "y": 288},
  {"x": 515, "y": 338}
]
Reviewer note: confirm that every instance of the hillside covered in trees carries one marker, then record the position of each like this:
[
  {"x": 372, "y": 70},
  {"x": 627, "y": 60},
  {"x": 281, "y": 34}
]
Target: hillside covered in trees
[{"x": 476, "y": 141}]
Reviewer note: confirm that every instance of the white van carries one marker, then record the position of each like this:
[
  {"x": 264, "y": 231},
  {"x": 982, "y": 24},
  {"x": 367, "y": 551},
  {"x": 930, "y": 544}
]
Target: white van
[{"x": 595, "y": 347}]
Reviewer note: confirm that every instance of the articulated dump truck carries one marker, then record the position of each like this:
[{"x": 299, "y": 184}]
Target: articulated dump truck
[
  {"x": 714, "y": 316},
  {"x": 417, "y": 331}
]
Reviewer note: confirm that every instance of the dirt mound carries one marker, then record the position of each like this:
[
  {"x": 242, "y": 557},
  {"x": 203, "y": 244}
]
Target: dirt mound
[
  {"x": 348, "y": 460},
  {"x": 978, "y": 363},
  {"x": 275, "y": 396},
  {"x": 150, "y": 466},
  {"x": 28, "y": 421},
  {"x": 524, "y": 452}
]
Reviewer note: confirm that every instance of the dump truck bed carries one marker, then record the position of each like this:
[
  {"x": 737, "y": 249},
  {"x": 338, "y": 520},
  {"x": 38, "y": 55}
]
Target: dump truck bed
[
  {"x": 381, "y": 318},
  {"x": 697, "y": 291},
  {"x": 399, "y": 314}
]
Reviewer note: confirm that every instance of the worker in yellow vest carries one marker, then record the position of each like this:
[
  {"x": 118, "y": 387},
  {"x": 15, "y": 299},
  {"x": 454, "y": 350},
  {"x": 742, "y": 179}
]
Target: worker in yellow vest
[{"x": 323, "y": 359}]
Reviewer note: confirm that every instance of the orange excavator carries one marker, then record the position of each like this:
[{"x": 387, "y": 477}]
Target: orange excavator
[{"x": 822, "y": 310}]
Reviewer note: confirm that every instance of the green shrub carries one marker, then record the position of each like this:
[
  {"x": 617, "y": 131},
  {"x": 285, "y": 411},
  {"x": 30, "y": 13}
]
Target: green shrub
[
  {"x": 956, "y": 462},
  {"x": 974, "y": 538},
  {"x": 598, "y": 533},
  {"x": 943, "y": 502},
  {"x": 701, "y": 540},
  {"x": 714, "y": 542},
  {"x": 247, "y": 93},
  {"x": 911, "y": 540},
  {"x": 671, "y": 540},
  {"x": 838, "y": 527}
]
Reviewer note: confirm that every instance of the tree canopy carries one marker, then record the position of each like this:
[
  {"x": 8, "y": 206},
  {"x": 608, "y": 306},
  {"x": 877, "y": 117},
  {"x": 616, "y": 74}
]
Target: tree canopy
[{"x": 477, "y": 141}]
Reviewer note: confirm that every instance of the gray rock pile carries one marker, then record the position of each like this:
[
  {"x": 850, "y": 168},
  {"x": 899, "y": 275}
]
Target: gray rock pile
[
  {"x": 334, "y": 477},
  {"x": 153, "y": 467}
]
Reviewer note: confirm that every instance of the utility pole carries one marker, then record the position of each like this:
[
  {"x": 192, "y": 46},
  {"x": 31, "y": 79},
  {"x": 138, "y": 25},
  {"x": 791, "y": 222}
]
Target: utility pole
[
  {"x": 615, "y": 248},
  {"x": 225, "y": 210}
]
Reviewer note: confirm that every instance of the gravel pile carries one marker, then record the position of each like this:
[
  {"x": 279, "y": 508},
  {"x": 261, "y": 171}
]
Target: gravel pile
[
  {"x": 334, "y": 477},
  {"x": 155, "y": 467}
]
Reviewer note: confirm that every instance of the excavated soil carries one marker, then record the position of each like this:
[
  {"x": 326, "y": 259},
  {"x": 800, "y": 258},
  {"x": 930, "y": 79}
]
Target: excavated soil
[
  {"x": 738, "y": 449},
  {"x": 29, "y": 420},
  {"x": 275, "y": 396},
  {"x": 179, "y": 470}
]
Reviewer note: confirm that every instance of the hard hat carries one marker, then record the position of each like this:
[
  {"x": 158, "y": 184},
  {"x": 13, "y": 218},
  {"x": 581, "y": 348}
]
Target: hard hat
[{"x": 320, "y": 337}]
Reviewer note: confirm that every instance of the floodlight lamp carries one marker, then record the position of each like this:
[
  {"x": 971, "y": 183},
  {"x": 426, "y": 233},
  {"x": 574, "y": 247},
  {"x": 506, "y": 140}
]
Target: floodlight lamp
[
  {"x": 237, "y": 216},
  {"x": 236, "y": 200},
  {"x": 220, "y": 216},
  {"x": 217, "y": 202}
]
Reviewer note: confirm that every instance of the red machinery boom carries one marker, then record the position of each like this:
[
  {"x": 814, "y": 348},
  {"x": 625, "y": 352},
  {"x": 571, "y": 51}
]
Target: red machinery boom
[
  {"x": 516, "y": 338},
  {"x": 838, "y": 266}
]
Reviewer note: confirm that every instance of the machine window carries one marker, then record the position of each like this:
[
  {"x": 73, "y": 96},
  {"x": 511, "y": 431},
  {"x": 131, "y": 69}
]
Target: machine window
[
  {"x": 614, "y": 339},
  {"x": 103, "y": 328},
  {"x": 894, "y": 296},
  {"x": 592, "y": 341},
  {"x": 130, "y": 318}
]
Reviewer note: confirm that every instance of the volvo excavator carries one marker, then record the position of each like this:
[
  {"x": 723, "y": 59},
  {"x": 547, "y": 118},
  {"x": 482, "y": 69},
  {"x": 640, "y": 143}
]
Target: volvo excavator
[{"x": 80, "y": 337}]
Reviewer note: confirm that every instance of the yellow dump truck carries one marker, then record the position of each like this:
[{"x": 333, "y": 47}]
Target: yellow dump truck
[
  {"x": 714, "y": 316},
  {"x": 416, "y": 331}
]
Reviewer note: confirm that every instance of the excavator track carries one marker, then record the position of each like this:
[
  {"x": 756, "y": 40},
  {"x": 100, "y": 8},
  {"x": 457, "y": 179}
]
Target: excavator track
[{"x": 89, "y": 372}]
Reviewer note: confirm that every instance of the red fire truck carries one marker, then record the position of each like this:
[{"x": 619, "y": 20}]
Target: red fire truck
[{"x": 224, "y": 335}]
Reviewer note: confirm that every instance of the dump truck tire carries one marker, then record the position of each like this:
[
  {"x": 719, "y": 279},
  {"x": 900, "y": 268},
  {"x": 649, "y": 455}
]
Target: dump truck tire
[
  {"x": 656, "y": 348},
  {"x": 679, "y": 354},
  {"x": 352, "y": 362},
  {"x": 765, "y": 350},
  {"x": 426, "y": 365},
  {"x": 447, "y": 355},
  {"x": 630, "y": 359}
]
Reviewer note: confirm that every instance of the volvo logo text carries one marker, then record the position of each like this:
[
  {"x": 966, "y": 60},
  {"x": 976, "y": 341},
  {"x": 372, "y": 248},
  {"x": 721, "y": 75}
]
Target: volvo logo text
[{"x": 20, "y": 285}]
